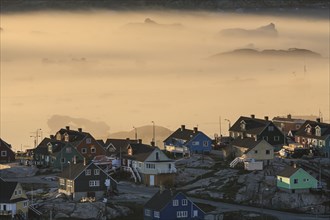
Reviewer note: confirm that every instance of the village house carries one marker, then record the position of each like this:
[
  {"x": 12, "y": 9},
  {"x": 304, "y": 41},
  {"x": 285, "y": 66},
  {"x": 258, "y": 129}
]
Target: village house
[
  {"x": 55, "y": 154},
  {"x": 185, "y": 141},
  {"x": 6, "y": 153},
  {"x": 295, "y": 179},
  {"x": 83, "y": 181},
  {"x": 14, "y": 203},
  {"x": 170, "y": 205},
  {"x": 84, "y": 142},
  {"x": 254, "y": 154},
  {"x": 287, "y": 124},
  {"x": 149, "y": 165},
  {"x": 315, "y": 135},
  {"x": 259, "y": 129}
]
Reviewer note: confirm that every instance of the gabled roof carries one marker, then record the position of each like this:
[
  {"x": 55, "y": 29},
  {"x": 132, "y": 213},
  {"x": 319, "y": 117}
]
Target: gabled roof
[
  {"x": 288, "y": 171},
  {"x": 325, "y": 130},
  {"x": 140, "y": 151},
  {"x": 4, "y": 143},
  {"x": 74, "y": 170},
  {"x": 119, "y": 144},
  {"x": 182, "y": 134},
  {"x": 42, "y": 148},
  {"x": 252, "y": 125},
  {"x": 245, "y": 142},
  {"x": 162, "y": 198},
  {"x": 73, "y": 135},
  {"x": 6, "y": 191}
]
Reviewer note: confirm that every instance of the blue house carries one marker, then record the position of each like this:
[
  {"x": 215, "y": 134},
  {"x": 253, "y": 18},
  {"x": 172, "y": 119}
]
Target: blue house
[
  {"x": 185, "y": 141},
  {"x": 170, "y": 205}
]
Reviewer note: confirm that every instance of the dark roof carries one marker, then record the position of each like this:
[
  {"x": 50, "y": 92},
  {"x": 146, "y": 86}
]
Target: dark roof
[
  {"x": 4, "y": 143},
  {"x": 119, "y": 144},
  {"x": 72, "y": 171},
  {"x": 325, "y": 130},
  {"x": 160, "y": 200},
  {"x": 182, "y": 134},
  {"x": 288, "y": 119},
  {"x": 73, "y": 135},
  {"x": 245, "y": 142},
  {"x": 101, "y": 142},
  {"x": 42, "y": 148},
  {"x": 288, "y": 171},
  {"x": 140, "y": 151},
  {"x": 6, "y": 191},
  {"x": 253, "y": 125}
]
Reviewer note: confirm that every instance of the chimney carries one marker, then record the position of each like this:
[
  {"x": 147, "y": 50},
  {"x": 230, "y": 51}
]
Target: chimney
[
  {"x": 67, "y": 128},
  {"x": 139, "y": 141},
  {"x": 183, "y": 127},
  {"x": 152, "y": 143},
  {"x": 80, "y": 129},
  {"x": 84, "y": 161},
  {"x": 195, "y": 129},
  {"x": 51, "y": 136},
  {"x": 252, "y": 116},
  {"x": 318, "y": 120},
  {"x": 266, "y": 118},
  {"x": 289, "y": 116}
]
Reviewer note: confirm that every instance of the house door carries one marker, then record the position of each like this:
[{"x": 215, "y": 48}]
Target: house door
[{"x": 152, "y": 180}]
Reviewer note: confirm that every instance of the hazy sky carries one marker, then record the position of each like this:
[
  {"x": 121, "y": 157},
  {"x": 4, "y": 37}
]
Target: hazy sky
[{"x": 109, "y": 69}]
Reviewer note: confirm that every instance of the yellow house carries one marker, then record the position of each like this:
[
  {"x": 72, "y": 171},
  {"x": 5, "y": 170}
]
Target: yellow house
[{"x": 13, "y": 200}]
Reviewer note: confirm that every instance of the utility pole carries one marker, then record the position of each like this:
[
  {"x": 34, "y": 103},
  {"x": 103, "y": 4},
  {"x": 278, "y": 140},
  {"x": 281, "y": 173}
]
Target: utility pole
[
  {"x": 135, "y": 132},
  {"x": 229, "y": 124},
  {"x": 219, "y": 126}
]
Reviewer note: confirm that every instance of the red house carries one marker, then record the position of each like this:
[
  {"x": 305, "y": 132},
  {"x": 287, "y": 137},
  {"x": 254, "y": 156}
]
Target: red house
[
  {"x": 6, "y": 153},
  {"x": 84, "y": 142}
]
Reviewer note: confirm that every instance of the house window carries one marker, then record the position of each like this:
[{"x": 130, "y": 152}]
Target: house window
[
  {"x": 184, "y": 202},
  {"x": 175, "y": 202},
  {"x": 256, "y": 151},
  {"x": 242, "y": 125},
  {"x": 295, "y": 181},
  {"x": 63, "y": 160},
  {"x": 84, "y": 150},
  {"x": 267, "y": 151},
  {"x": 194, "y": 143},
  {"x": 147, "y": 212},
  {"x": 15, "y": 193},
  {"x": 62, "y": 182},
  {"x": 130, "y": 151},
  {"x": 276, "y": 138},
  {"x": 265, "y": 138},
  {"x": 320, "y": 143},
  {"x": 281, "y": 179},
  {"x": 96, "y": 172},
  {"x": 156, "y": 214},
  {"x": 94, "y": 183},
  {"x": 157, "y": 156},
  {"x": 150, "y": 166},
  {"x": 308, "y": 129},
  {"x": 19, "y": 192},
  {"x": 4, "y": 153},
  {"x": 88, "y": 172},
  {"x": 68, "y": 150},
  {"x": 88, "y": 140},
  {"x": 195, "y": 213},
  {"x": 270, "y": 128},
  {"x": 182, "y": 214},
  {"x": 93, "y": 150},
  {"x": 69, "y": 183},
  {"x": 205, "y": 143},
  {"x": 25, "y": 204}
]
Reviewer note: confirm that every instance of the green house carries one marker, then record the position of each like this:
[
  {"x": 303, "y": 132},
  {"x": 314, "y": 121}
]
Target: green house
[
  {"x": 62, "y": 154},
  {"x": 295, "y": 178}
]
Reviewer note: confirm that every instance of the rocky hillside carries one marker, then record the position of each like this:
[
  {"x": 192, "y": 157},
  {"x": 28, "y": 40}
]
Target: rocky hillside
[{"x": 27, "y": 5}]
